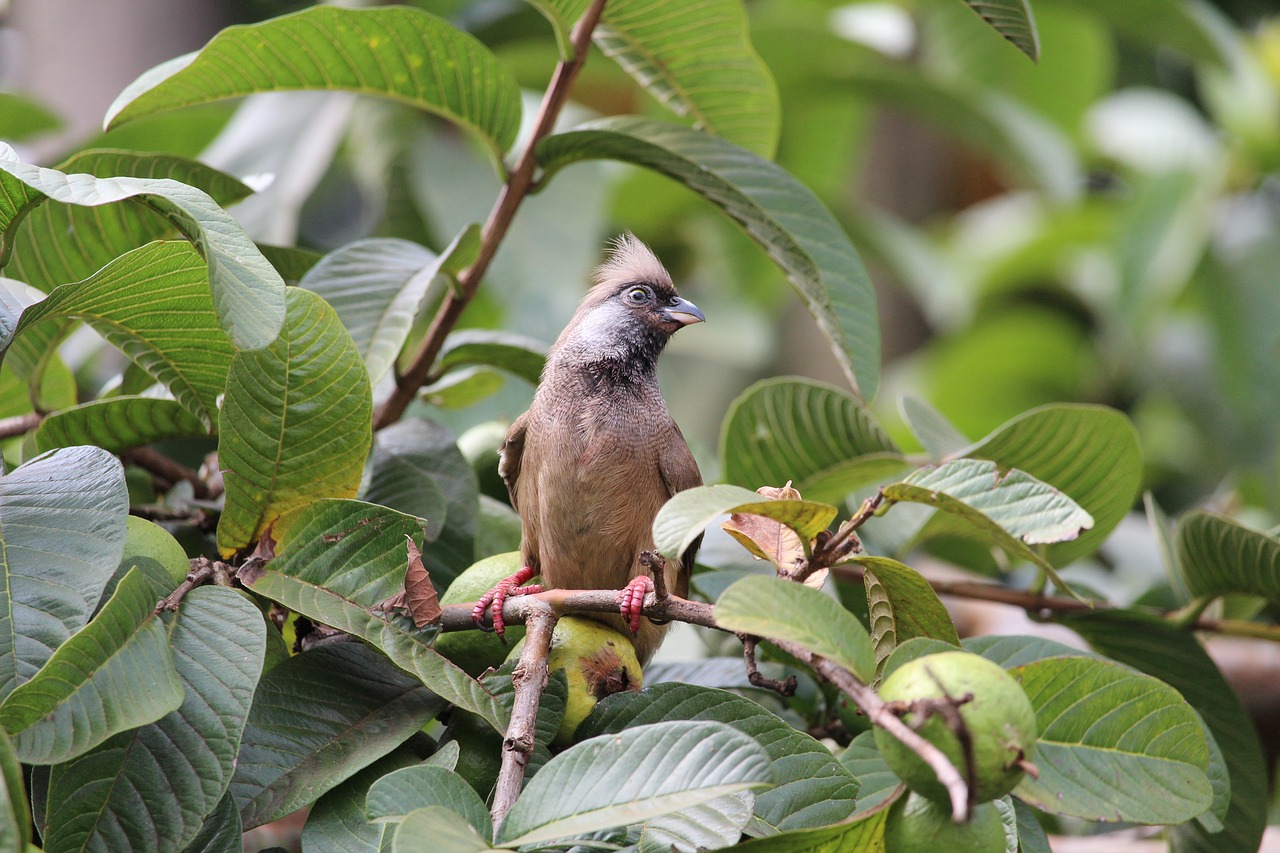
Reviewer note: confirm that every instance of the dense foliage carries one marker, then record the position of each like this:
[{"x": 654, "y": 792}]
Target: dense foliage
[{"x": 281, "y": 420}]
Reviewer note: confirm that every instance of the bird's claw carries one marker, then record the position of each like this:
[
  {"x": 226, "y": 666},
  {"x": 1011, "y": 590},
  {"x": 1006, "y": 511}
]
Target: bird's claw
[
  {"x": 493, "y": 600},
  {"x": 631, "y": 600}
]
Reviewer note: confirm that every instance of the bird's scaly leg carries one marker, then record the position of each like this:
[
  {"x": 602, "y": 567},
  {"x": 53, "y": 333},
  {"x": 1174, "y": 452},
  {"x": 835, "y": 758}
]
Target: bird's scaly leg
[
  {"x": 493, "y": 600},
  {"x": 631, "y": 600}
]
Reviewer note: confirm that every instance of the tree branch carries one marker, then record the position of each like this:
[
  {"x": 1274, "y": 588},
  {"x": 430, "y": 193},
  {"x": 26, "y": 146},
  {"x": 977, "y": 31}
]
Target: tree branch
[
  {"x": 518, "y": 184},
  {"x": 19, "y": 424},
  {"x": 529, "y": 680},
  {"x": 457, "y": 617},
  {"x": 164, "y": 467},
  {"x": 1039, "y": 605}
]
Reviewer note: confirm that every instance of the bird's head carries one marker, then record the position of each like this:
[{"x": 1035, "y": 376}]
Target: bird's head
[{"x": 632, "y": 310}]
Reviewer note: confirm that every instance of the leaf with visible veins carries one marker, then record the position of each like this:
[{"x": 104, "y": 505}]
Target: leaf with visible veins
[
  {"x": 420, "y": 594},
  {"x": 769, "y": 539}
]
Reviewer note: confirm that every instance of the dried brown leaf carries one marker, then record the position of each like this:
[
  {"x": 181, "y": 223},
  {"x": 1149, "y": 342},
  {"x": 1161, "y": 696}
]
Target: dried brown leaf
[
  {"x": 766, "y": 538},
  {"x": 420, "y": 594}
]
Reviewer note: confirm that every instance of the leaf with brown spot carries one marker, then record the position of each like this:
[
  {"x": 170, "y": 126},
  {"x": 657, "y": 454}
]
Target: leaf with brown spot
[{"x": 420, "y": 594}]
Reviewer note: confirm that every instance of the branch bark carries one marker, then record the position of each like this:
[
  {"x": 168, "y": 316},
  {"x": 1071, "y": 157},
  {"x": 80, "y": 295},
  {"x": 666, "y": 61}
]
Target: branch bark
[
  {"x": 529, "y": 679},
  {"x": 457, "y": 617},
  {"x": 19, "y": 424},
  {"x": 167, "y": 469},
  {"x": 518, "y": 184}
]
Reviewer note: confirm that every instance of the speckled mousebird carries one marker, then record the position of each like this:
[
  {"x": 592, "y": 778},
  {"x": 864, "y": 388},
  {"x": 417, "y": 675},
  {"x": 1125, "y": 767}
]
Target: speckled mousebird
[{"x": 597, "y": 454}]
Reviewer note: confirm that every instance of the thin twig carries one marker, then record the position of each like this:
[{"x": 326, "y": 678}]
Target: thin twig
[
  {"x": 518, "y": 184},
  {"x": 203, "y": 571},
  {"x": 19, "y": 424},
  {"x": 1041, "y": 606},
  {"x": 878, "y": 711},
  {"x": 529, "y": 680},
  {"x": 786, "y": 687},
  {"x": 166, "y": 468}
]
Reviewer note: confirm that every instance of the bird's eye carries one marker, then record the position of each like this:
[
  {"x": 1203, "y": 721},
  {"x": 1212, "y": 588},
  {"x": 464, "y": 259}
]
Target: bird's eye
[{"x": 637, "y": 296}]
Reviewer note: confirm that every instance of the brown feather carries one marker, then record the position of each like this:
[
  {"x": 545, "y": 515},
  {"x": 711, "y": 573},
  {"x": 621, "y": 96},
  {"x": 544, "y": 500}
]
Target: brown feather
[{"x": 597, "y": 454}]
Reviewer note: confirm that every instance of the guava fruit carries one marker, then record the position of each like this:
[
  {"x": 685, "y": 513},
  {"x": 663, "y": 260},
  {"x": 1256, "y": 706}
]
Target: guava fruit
[
  {"x": 597, "y": 662},
  {"x": 915, "y": 824},
  {"x": 999, "y": 719}
]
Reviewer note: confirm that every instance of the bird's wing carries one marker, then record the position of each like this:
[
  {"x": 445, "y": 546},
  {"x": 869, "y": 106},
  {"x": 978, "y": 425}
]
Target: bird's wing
[
  {"x": 510, "y": 454},
  {"x": 679, "y": 472}
]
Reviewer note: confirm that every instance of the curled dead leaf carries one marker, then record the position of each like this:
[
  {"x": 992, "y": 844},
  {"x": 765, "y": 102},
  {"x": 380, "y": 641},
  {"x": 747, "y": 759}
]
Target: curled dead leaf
[
  {"x": 420, "y": 593},
  {"x": 772, "y": 540}
]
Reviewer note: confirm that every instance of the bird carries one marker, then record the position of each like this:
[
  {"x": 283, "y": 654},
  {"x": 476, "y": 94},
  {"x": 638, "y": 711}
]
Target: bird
[{"x": 597, "y": 454}]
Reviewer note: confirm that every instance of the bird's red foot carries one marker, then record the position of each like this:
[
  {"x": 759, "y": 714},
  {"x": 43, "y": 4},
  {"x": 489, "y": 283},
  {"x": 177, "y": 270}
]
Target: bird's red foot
[
  {"x": 631, "y": 600},
  {"x": 493, "y": 600}
]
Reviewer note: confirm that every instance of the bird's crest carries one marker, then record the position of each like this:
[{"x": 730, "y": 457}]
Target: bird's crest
[{"x": 629, "y": 262}]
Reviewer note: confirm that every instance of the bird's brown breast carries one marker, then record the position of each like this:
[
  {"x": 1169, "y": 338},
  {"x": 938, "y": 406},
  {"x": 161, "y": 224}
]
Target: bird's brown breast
[{"x": 593, "y": 464}]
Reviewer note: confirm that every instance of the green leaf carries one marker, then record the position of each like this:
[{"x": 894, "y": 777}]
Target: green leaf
[
  {"x": 297, "y": 422},
  {"x": 248, "y": 294},
  {"x": 392, "y": 797},
  {"x": 936, "y": 434},
  {"x": 153, "y": 304},
  {"x": 117, "y": 424},
  {"x": 436, "y": 829},
  {"x": 773, "y": 608},
  {"x": 154, "y": 785},
  {"x": 1015, "y": 651},
  {"x": 62, "y": 243},
  {"x": 697, "y": 59},
  {"x": 1012, "y": 508},
  {"x": 902, "y": 606},
  {"x": 21, "y": 117},
  {"x": 460, "y": 389},
  {"x": 642, "y": 772},
  {"x": 1031, "y": 835},
  {"x": 1026, "y": 508},
  {"x": 1115, "y": 745},
  {"x": 353, "y": 549},
  {"x": 1176, "y": 658},
  {"x": 15, "y": 816},
  {"x": 513, "y": 353},
  {"x": 377, "y": 286},
  {"x": 153, "y": 550},
  {"x": 709, "y": 826},
  {"x": 778, "y": 212},
  {"x": 687, "y": 514},
  {"x": 337, "y": 822},
  {"x": 1192, "y": 28},
  {"x": 810, "y": 787},
  {"x": 1090, "y": 453},
  {"x": 114, "y": 674},
  {"x": 316, "y": 719},
  {"x": 221, "y": 831},
  {"x": 1013, "y": 20},
  {"x": 1217, "y": 556},
  {"x": 407, "y": 647},
  {"x": 417, "y": 468},
  {"x": 863, "y": 834},
  {"x": 820, "y": 438},
  {"x": 394, "y": 52},
  {"x": 62, "y": 532},
  {"x": 863, "y": 760}
]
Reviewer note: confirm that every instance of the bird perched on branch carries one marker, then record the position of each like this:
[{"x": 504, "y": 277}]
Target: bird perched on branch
[{"x": 597, "y": 454}]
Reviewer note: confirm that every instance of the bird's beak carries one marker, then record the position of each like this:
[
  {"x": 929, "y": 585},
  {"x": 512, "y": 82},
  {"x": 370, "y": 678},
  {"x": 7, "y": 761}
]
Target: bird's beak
[{"x": 683, "y": 312}]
